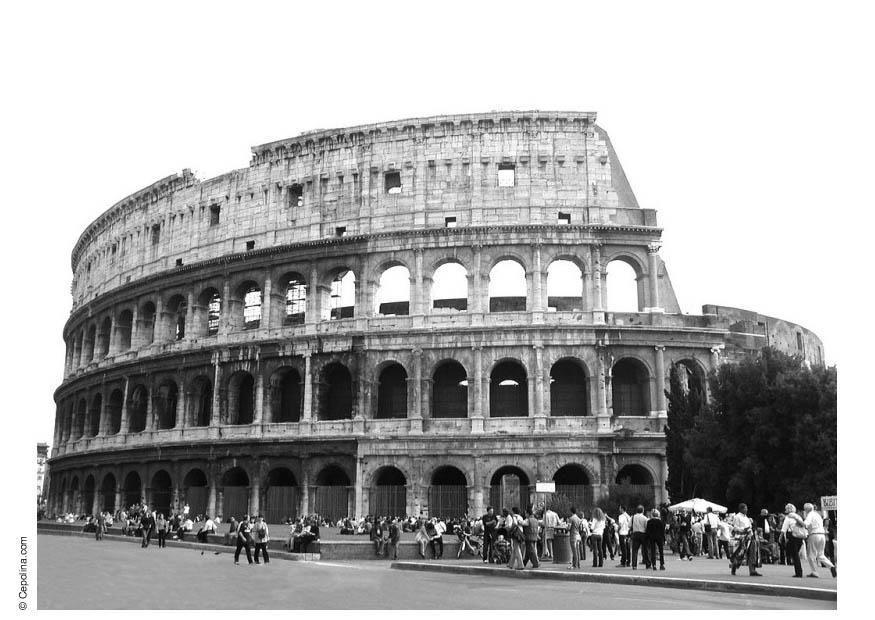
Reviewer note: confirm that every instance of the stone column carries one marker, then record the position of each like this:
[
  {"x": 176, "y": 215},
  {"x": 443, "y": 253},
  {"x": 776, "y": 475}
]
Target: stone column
[
  {"x": 124, "y": 424},
  {"x": 150, "y": 405},
  {"x": 118, "y": 498},
  {"x": 216, "y": 407},
  {"x": 598, "y": 302},
  {"x": 653, "y": 278},
  {"x": 475, "y": 282},
  {"x": 305, "y": 490},
  {"x": 418, "y": 297},
  {"x": 539, "y": 383},
  {"x": 258, "y": 415},
  {"x": 537, "y": 293},
  {"x": 266, "y": 300},
  {"x": 307, "y": 413},
  {"x": 212, "y": 508},
  {"x": 660, "y": 382},
  {"x": 254, "y": 493},
  {"x": 225, "y": 310},
  {"x": 361, "y": 395},
  {"x": 95, "y": 501},
  {"x": 715, "y": 357},
  {"x": 601, "y": 384},
  {"x": 476, "y": 385},
  {"x": 313, "y": 312},
  {"x": 414, "y": 413},
  {"x": 102, "y": 422},
  {"x": 111, "y": 345},
  {"x": 190, "y": 331},
  {"x": 136, "y": 342},
  {"x": 358, "y": 487}
]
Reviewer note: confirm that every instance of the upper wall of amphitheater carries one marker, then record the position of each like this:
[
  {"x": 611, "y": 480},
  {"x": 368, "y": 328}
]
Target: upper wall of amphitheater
[{"x": 562, "y": 168}]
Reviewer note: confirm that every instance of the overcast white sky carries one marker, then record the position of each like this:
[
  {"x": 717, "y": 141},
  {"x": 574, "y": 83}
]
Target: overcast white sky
[{"x": 741, "y": 124}]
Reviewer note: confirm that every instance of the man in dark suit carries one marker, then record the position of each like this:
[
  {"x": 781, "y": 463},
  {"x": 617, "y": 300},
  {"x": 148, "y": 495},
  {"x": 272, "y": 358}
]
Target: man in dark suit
[{"x": 489, "y": 523}]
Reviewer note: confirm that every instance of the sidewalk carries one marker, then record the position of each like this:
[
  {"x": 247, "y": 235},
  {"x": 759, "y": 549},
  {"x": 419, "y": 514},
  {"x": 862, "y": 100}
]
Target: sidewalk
[{"x": 701, "y": 573}]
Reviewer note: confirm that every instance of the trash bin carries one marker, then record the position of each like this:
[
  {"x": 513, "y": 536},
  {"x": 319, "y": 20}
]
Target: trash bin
[{"x": 561, "y": 546}]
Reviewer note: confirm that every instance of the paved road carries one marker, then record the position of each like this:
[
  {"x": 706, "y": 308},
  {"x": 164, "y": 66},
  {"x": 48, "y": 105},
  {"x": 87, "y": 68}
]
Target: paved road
[{"x": 78, "y": 573}]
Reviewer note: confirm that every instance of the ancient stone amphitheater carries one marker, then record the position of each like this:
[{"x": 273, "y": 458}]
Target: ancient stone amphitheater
[{"x": 371, "y": 320}]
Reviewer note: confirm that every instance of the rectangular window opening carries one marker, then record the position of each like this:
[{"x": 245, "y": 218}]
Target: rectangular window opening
[
  {"x": 450, "y": 222},
  {"x": 340, "y": 231},
  {"x": 215, "y": 210},
  {"x": 156, "y": 234},
  {"x": 393, "y": 182},
  {"x": 564, "y": 218},
  {"x": 250, "y": 245},
  {"x": 296, "y": 195},
  {"x": 799, "y": 340},
  {"x": 179, "y": 262},
  {"x": 506, "y": 175}
]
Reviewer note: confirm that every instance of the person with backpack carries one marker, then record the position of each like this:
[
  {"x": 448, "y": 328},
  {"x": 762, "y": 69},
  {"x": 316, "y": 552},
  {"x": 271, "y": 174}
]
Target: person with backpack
[
  {"x": 262, "y": 537},
  {"x": 514, "y": 526},
  {"x": 531, "y": 529},
  {"x": 244, "y": 540}
]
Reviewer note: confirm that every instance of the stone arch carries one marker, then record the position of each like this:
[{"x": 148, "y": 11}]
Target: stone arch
[
  {"x": 634, "y": 485},
  {"x": 447, "y": 492},
  {"x": 509, "y": 487},
  {"x": 81, "y": 413},
  {"x": 161, "y": 493},
  {"x": 94, "y": 412},
  {"x": 393, "y": 290},
  {"x": 692, "y": 376},
  {"x": 392, "y": 391},
  {"x": 568, "y": 388},
  {"x": 166, "y": 404},
  {"x": 235, "y": 493},
  {"x": 635, "y": 473},
  {"x": 573, "y": 480},
  {"x": 449, "y": 390},
  {"x": 147, "y": 322},
  {"x": 241, "y": 398},
  {"x": 251, "y": 300},
  {"x": 137, "y": 406},
  {"x": 332, "y": 492},
  {"x": 107, "y": 490},
  {"x": 388, "y": 492},
  {"x": 508, "y": 390},
  {"x": 335, "y": 392},
  {"x": 177, "y": 312},
  {"x": 624, "y": 284},
  {"x": 508, "y": 288},
  {"x": 103, "y": 337},
  {"x": 294, "y": 289},
  {"x": 124, "y": 329},
  {"x": 630, "y": 387},
  {"x": 88, "y": 343},
  {"x": 449, "y": 286},
  {"x": 195, "y": 491},
  {"x": 342, "y": 292},
  {"x": 89, "y": 491},
  {"x": 565, "y": 286},
  {"x": 286, "y": 395},
  {"x": 114, "y": 412},
  {"x": 280, "y": 495},
  {"x": 132, "y": 489},
  {"x": 208, "y": 311},
  {"x": 200, "y": 401}
]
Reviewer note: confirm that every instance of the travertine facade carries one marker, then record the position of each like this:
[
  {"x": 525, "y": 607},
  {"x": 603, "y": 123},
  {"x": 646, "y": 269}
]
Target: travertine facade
[{"x": 231, "y": 345}]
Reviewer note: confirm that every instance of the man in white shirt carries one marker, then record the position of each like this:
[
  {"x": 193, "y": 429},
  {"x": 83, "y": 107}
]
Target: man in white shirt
[
  {"x": 816, "y": 541},
  {"x": 711, "y": 524},
  {"x": 624, "y": 527},
  {"x": 208, "y": 528},
  {"x": 639, "y": 536},
  {"x": 748, "y": 545},
  {"x": 789, "y": 528},
  {"x": 551, "y": 520}
]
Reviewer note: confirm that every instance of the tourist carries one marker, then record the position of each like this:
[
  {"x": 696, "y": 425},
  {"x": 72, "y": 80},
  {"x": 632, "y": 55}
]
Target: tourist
[
  {"x": 685, "y": 526},
  {"x": 574, "y": 525},
  {"x": 816, "y": 542},
  {"x": 490, "y": 521},
  {"x": 794, "y": 533},
  {"x": 748, "y": 547},
  {"x": 531, "y": 528},
  {"x": 376, "y": 535},
  {"x": 624, "y": 528},
  {"x": 101, "y": 526},
  {"x": 712, "y": 524},
  {"x": 516, "y": 533},
  {"x": 147, "y": 524},
  {"x": 551, "y": 520},
  {"x": 724, "y": 536},
  {"x": 597, "y": 532},
  {"x": 609, "y": 538},
  {"x": 262, "y": 537},
  {"x": 435, "y": 539},
  {"x": 394, "y": 533},
  {"x": 161, "y": 529},
  {"x": 639, "y": 537},
  {"x": 244, "y": 540},
  {"x": 655, "y": 535},
  {"x": 697, "y": 535},
  {"x": 209, "y": 527},
  {"x": 422, "y": 537}
]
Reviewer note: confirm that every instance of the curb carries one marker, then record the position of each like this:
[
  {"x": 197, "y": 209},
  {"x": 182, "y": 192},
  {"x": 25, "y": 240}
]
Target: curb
[
  {"x": 280, "y": 555},
  {"x": 733, "y": 587}
]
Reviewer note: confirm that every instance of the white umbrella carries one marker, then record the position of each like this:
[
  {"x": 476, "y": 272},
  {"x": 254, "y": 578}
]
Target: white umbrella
[{"x": 697, "y": 505}]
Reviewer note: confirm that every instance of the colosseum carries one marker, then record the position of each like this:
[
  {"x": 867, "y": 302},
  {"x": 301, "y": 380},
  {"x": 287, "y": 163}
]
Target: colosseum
[{"x": 409, "y": 317}]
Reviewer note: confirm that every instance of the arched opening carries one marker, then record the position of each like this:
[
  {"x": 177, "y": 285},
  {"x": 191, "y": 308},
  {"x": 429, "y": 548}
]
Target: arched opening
[
  {"x": 507, "y": 287},
  {"x": 195, "y": 492},
  {"x": 392, "y": 392},
  {"x": 450, "y": 391},
  {"x": 630, "y": 388},
  {"x": 75, "y": 497},
  {"x": 107, "y": 491},
  {"x": 103, "y": 338},
  {"x": 94, "y": 415},
  {"x": 114, "y": 412},
  {"x": 88, "y": 343},
  {"x": 633, "y": 486},
  {"x": 81, "y": 413},
  {"x": 77, "y": 350},
  {"x": 573, "y": 482},
  {"x": 393, "y": 292},
  {"x": 568, "y": 389},
  {"x": 137, "y": 404},
  {"x": 389, "y": 493},
  {"x": 166, "y": 397},
  {"x": 622, "y": 292},
  {"x": 281, "y": 496},
  {"x": 208, "y": 312},
  {"x": 449, "y": 289},
  {"x": 296, "y": 299},
  {"x": 286, "y": 395},
  {"x": 508, "y": 391},
  {"x": 252, "y": 299},
  {"x": 147, "y": 321},
  {"x": 124, "y": 327},
  {"x": 200, "y": 404},
  {"x": 235, "y": 494},
  {"x": 331, "y": 497},
  {"x": 335, "y": 393},
  {"x": 509, "y": 488},
  {"x": 448, "y": 493},
  {"x": 177, "y": 310},
  {"x": 241, "y": 398},
  {"x": 564, "y": 287},
  {"x": 133, "y": 490},
  {"x": 88, "y": 490},
  {"x": 343, "y": 295},
  {"x": 161, "y": 493},
  {"x": 691, "y": 377}
]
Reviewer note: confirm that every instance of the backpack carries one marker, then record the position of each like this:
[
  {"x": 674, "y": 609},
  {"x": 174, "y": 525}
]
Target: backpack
[{"x": 515, "y": 531}]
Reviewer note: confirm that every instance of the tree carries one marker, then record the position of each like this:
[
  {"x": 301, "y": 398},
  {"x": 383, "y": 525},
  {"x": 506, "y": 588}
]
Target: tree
[{"x": 684, "y": 406}]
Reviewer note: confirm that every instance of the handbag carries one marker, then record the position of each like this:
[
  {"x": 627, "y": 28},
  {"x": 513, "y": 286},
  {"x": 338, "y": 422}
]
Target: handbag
[{"x": 799, "y": 531}]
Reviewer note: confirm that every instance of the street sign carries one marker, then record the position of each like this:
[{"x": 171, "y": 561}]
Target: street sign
[
  {"x": 829, "y": 502},
  {"x": 545, "y": 487}
]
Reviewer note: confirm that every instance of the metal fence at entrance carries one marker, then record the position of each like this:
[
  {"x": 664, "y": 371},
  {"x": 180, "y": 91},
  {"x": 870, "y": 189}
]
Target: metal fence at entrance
[
  {"x": 448, "y": 500},
  {"x": 196, "y": 498},
  {"x": 161, "y": 501},
  {"x": 581, "y": 495},
  {"x": 508, "y": 496},
  {"x": 235, "y": 502},
  {"x": 280, "y": 502},
  {"x": 330, "y": 502},
  {"x": 631, "y": 495},
  {"x": 389, "y": 500}
]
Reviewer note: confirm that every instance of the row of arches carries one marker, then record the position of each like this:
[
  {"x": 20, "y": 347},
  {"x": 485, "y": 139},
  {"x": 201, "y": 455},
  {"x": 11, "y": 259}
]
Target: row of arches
[
  {"x": 180, "y": 315},
  {"x": 279, "y": 494}
]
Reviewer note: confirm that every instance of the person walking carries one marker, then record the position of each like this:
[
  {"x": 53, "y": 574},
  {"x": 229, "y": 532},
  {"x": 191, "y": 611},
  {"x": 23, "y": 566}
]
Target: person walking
[
  {"x": 394, "y": 538},
  {"x": 596, "y": 534},
  {"x": 639, "y": 537},
  {"x": 748, "y": 546},
  {"x": 724, "y": 535},
  {"x": 531, "y": 529},
  {"x": 208, "y": 528},
  {"x": 655, "y": 535},
  {"x": 147, "y": 525},
  {"x": 262, "y": 537},
  {"x": 551, "y": 520},
  {"x": 574, "y": 525},
  {"x": 516, "y": 533},
  {"x": 608, "y": 538},
  {"x": 685, "y": 530},
  {"x": 422, "y": 537},
  {"x": 794, "y": 533},
  {"x": 244, "y": 540},
  {"x": 377, "y": 537},
  {"x": 816, "y": 542},
  {"x": 161, "y": 529},
  {"x": 624, "y": 529},
  {"x": 490, "y": 522},
  {"x": 712, "y": 524},
  {"x": 101, "y": 526}
]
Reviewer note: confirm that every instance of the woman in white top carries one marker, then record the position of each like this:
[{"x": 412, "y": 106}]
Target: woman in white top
[
  {"x": 816, "y": 542},
  {"x": 596, "y": 531}
]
